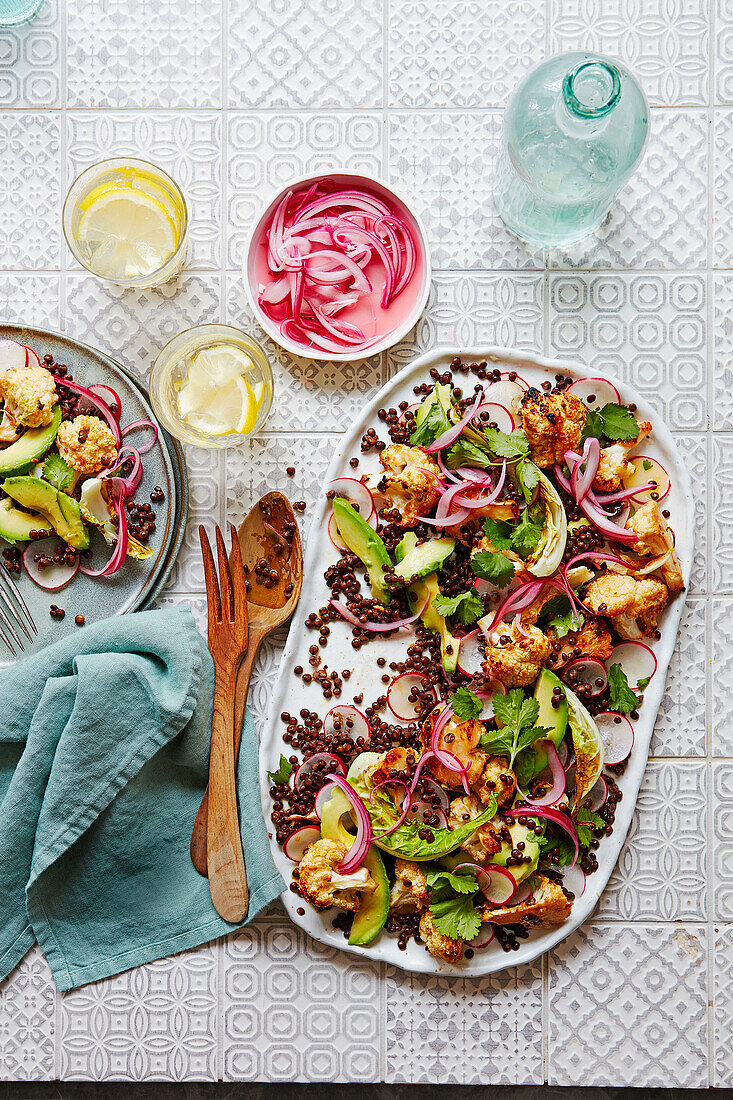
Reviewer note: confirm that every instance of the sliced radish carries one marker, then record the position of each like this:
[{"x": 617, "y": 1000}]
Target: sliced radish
[
  {"x": 357, "y": 493},
  {"x": 410, "y": 408},
  {"x": 507, "y": 374},
  {"x": 573, "y": 879},
  {"x": 586, "y": 670},
  {"x": 322, "y": 797},
  {"x": 497, "y": 414},
  {"x": 12, "y": 354},
  {"x": 483, "y": 937},
  {"x": 346, "y": 719},
  {"x": 402, "y": 694},
  {"x": 596, "y": 797},
  {"x": 31, "y": 359},
  {"x": 420, "y": 811},
  {"x": 647, "y": 469},
  {"x": 637, "y": 660},
  {"x": 501, "y": 886},
  {"x": 506, "y": 393},
  {"x": 617, "y": 735},
  {"x": 523, "y": 893},
  {"x": 54, "y": 576},
  {"x": 300, "y": 841},
  {"x": 486, "y": 696},
  {"x": 471, "y": 653},
  {"x": 563, "y": 753},
  {"x": 333, "y": 533},
  {"x": 596, "y": 392},
  {"x": 437, "y": 790},
  {"x": 329, "y": 759}
]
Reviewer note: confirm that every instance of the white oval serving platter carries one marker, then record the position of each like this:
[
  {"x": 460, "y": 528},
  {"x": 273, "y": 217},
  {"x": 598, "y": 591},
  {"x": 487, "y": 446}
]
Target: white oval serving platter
[{"x": 290, "y": 694}]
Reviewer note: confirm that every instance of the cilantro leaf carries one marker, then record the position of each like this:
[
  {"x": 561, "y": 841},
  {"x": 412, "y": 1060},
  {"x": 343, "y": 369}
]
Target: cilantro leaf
[
  {"x": 583, "y": 822},
  {"x": 57, "y": 472},
  {"x": 499, "y": 533},
  {"x": 518, "y": 715},
  {"x": 283, "y": 773},
  {"x": 647, "y": 464},
  {"x": 644, "y": 682},
  {"x": 467, "y": 607},
  {"x": 512, "y": 444},
  {"x": 465, "y": 704},
  {"x": 527, "y": 534},
  {"x": 456, "y": 918},
  {"x": 613, "y": 422},
  {"x": 492, "y": 567},
  {"x": 564, "y": 845},
  {"x": 593, "y": 425},
  {"x": 433, "y": 424},
  {"x": 465, "y": 453},
  {"x": 622, "y": 699},
  {"x": 459, "y": 884},
  {"x": 563, "y": 618},
  {"x": 528, "y": 476}
]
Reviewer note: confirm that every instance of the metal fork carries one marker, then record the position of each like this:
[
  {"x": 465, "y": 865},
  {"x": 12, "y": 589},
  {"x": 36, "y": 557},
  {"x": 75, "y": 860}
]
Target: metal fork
[
  {"x": 13, "y": 614},
  {"x": 228, "y": 634}
]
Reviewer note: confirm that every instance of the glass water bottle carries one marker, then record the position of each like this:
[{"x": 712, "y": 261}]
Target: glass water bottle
[{"x": 574, "y": 131}]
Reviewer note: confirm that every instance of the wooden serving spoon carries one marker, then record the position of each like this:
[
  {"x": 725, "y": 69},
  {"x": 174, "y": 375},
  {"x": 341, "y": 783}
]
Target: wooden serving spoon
[{"x": 270, "y": 531}]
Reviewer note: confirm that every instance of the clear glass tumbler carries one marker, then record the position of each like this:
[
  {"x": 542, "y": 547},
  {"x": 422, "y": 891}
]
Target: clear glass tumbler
[
  {"x": 574, "y": 130},
  {"x": 14, "y": 12}
]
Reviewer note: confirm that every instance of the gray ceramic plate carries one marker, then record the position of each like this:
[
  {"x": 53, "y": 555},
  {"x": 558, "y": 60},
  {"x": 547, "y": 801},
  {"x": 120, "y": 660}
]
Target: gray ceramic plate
[{"x": 137, "y": 584}]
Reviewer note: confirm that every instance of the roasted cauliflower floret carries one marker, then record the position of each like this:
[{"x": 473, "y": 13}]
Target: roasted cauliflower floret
[
  {"x": 323, "y": 885},
  {"x": 497, "y": 779},
  {"x": 485, "y": 841},
  {"x": 547, "y": 905},
  {"x": 439, "y": 946},
  {"x": 409, "y": 894},
  {"x": 395, "y": 764},
  {"x": 29, "y": 394},
  {"x": 592, "y": 640},
  {"x": 86, "y": 444},
  {"x": 553, "y": 423},
  {"x": 614, "y": 465},
  {"x": 409, "y": 481},
  {"x": 632, "y": 604},
  {"x": 654, "y": 537},
  {"x": 516, "y": 658},
  {"x": 461, "y": 739}
]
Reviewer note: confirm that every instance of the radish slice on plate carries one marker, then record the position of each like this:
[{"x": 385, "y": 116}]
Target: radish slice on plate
[
  {"x": 486, "y": 697},
  {"x": 495, "y": 414},
  {"x": 323, "y": 796},
  {"x": 523, "y": 893},
  {"x": 298, "y": 842},
  {"x": 357, "y": 493},
  {"x": 54, "y": 576},
  {"x": 507, "y": 374},
  {"x": 346, "y": 719},
  {"x": 333, "y": 533},
  {"x": 437, "y": 791},
  {"x": 483, "y": 937},
  {"x": 506, "y": 393},
  {"x": 12, "y": 354},
  {"x": 402, "y": 694},
  {"x": 638, "y": 662},
  {"x": 586, "y": 670},
  {"x": 328, "y": 759},
  {"x": 501, "y": 886},
  {"x": 617, "y": 735},
  {"x": 573, "y": 879},
  {"x": 471, "y": 653},
  {"x": 647, "y": 469},
  {"x": 423, "y": 813},
  {"x": 598, "y": 389},
  {"x": 596, "y": 798}
]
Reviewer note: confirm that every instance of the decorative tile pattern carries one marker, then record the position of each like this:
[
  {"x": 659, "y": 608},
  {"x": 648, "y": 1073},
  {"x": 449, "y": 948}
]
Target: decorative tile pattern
[
  {"x": 723, "y": 839},
  {"x": 465, "y": 54},
  {"x": 722, "y": 180},
  {"x": 666, "y": 47},
  {"x": 695, "y": 449},
  {"x": 166, "y": 54},
  {"x": 293, "y": 1010},
  {"x": 445, "y": 164},
  {"x": 628, "y": 1006},
  {"x": 661, "y": 873},
  {"x": 721, "y": 634},
  {"x": 206, "y": 505},
  {"x": 306, "y": 54},
  {"x": 30, "y": 61},
  {"x": 268, "y": 150},
  {"x": 681, "y": 725},
  {"x": 30, "y": 209},
  {"x": 723, "y": 1008},
  {"x": 30, "y": 300},
  {"x": 723, "y": 52},
  {"x": 27, "y": 1021},
  {"x": 723, "y": 360},
  {"x": 721, "y": 550},
  {"x": 187, "y": 145},
  {"x": 461, "y": 1031},
  {"x": 660, "y": 218},
  {"x": 646, "y": 329},
  {"x": 157, "y": 1022}
]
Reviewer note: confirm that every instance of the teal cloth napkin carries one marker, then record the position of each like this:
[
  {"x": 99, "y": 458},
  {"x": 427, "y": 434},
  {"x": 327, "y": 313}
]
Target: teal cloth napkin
[{"x": 104, "y": 744}]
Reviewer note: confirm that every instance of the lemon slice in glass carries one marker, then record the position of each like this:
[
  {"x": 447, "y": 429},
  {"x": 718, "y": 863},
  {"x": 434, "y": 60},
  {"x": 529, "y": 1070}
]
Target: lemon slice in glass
[
  {"x": 125, "y": 232},
  {"x": 216, "y": 399}
]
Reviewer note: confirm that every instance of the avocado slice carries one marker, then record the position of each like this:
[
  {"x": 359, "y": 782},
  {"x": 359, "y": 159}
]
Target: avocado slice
[
  {"x": 16, "y": 526},
  {"x": 427, "y": 587},
  {"x": 32, "y": 445},
  {"x": 418, "y": 561},
  {"x": 365, "y": 543},
  {"x": 374, "y": 908},
  {"x": 552, "y": 718},
  {"x": 57, "y": 508},
  {"x": 531, "y": 848},
  {"x": 406, "y": 545},
  {"x": 440, "y": 392}
]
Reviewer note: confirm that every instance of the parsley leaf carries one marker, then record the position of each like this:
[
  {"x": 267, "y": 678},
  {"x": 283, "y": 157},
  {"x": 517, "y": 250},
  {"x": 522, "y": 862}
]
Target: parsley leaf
[
  {"x": 465, "y": 704},
  {"x": 526, "y": 534},
  {"x": 644, "y": 682},
  {"x": 583, "y": 822},
  {"x": 528, "y": 476},
  {"x": 613, "y": 422},
  {"x": 465, "y": 453},
  {"x": 622, "y": 698},
  {"x": 460, "y": 884},
  {"x": 456, "y": 918},
  {"x": 499, "y": 533},
  {"x": 512, "y": 444},
  {"x": 57, "y": 472},
  {"x": 518, "y": 715},
  {"x": 282, "y": 775},
  {"x": 492, "y": 567},
  {"x": 467, "y": 607},
  {"x": 434, "y": 424}
]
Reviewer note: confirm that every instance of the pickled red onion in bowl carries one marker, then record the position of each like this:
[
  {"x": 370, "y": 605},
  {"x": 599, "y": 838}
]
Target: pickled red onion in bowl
[{"x": 337, "y": 267}]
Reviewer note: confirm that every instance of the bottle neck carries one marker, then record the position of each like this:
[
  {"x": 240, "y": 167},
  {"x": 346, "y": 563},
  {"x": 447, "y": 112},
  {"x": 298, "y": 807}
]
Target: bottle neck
[{"x": 591, "y": 90}]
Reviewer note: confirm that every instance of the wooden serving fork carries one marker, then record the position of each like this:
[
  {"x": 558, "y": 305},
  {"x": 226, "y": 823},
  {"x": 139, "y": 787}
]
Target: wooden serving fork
[{"x": 227, "y": 606}]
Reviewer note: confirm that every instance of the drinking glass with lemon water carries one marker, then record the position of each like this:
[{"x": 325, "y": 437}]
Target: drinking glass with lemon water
[
  {"x": 211, "y": 386},
  {"x": 126, "y": 220}
]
